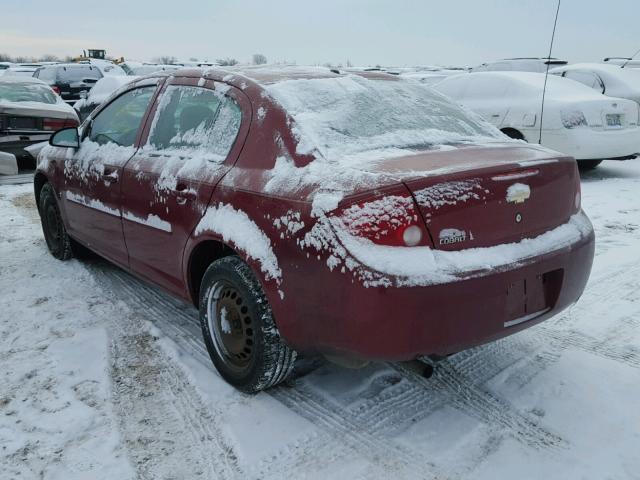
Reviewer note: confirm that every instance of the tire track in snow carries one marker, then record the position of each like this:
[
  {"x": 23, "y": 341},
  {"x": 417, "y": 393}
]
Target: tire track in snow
[
  {"x": 160, "y": 409},
  {"x": 484, "y": 405},
  {"x": 179, "y": 322}
]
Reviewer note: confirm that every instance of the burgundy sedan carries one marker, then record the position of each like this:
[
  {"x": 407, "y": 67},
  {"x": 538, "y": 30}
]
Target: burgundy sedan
[{"x": 358, "y": 216}]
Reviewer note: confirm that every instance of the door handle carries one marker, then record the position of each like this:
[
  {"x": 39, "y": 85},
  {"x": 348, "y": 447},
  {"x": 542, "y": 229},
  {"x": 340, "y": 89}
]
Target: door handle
[
  {"x": 184, "y": 193},
  {"x": 110, "y": 176}
]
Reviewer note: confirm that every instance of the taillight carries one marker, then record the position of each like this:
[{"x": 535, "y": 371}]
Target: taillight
[
  {"x": 55, "y": 124},
  {"x": 391, "y": 221},
  {"x": 56, "y": 89},
  {"x": 578, "y": 197}
]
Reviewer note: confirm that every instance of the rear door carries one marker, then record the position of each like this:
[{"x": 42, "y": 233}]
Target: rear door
[
  {"x": 195, "y": 137},
  {"x": 487, "y": 95},
  {"x": 92, "y": 175}
]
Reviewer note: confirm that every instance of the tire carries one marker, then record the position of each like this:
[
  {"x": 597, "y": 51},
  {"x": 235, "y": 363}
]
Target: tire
[
  {"x": 586, "y": 165},
  {"x": 238, "y": 328},
  {"x": 55, "y": 233}
]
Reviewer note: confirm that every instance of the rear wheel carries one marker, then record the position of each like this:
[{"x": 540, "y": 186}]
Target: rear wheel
[
  {"x": 588, "y": 164},
  {"x": 55, "y": 234},
  {"x": 239, "y": 330}
]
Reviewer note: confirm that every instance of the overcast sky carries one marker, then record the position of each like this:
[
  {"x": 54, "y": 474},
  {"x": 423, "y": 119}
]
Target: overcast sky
[{"x": 366, "y": 32}]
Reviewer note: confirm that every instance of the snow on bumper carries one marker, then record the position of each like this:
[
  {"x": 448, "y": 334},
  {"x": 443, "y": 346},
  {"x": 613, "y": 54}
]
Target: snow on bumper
[
  {"x": 423, "y": 266},
  {"x": 589, "y": 144}
]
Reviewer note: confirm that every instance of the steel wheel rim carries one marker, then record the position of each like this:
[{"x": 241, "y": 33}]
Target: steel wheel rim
[
  {"x": 230, "y": 326},
  {"x": 53, "y": 226}
]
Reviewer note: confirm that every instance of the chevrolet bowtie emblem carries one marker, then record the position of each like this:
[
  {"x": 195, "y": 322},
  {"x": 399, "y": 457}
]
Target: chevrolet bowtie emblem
[{"x": 518, "y": 193}]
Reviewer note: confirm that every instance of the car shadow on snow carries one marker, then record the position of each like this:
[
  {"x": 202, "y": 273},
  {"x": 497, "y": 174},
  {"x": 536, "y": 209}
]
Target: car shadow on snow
[{"x": 611, "y": 170}]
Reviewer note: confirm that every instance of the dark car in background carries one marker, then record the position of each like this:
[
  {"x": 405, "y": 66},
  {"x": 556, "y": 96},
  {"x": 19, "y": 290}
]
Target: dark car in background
[{"x": 70, "y": 80}]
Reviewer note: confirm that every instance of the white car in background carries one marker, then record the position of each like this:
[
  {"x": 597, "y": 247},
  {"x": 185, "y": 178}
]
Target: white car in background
[
  {"x": 433, "y": 76},
  {"x": 100, "y": 92},
  {"x": 578, "y": 121},
  {"x": 538, "y": 65},
  {"x": 622, "y": 61},
  {"x": 138, "y": 68},
  {"x": 21, "y": 70},
  {"x": 107, "y": 67},
  {"x": 609, "y": 79}
]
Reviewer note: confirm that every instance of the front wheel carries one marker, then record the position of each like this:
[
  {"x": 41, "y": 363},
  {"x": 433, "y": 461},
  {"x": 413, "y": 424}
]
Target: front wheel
[
  {"x": 238, "y": 328},
  {"x": 55, "y": 234}
]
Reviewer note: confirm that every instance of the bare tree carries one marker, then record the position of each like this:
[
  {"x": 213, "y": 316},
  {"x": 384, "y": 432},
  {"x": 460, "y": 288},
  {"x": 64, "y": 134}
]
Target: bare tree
[
  {"x": 227, "y": 62},
  {"x": 22, "y": 59},
  {"x": 165, "y": 60},
  {"x": 49, "y": 58},
  {"x": 259, "y": 59},
  {"x": 5, "y": 57}
]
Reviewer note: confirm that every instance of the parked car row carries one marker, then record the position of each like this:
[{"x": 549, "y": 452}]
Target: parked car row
[
  {"x": 591, "y": 113},
  {"x": 577, "y": 120}
]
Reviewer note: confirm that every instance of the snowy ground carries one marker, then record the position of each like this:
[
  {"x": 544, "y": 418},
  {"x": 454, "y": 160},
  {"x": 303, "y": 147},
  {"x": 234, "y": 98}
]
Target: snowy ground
[{"x": 105, "y": 377}]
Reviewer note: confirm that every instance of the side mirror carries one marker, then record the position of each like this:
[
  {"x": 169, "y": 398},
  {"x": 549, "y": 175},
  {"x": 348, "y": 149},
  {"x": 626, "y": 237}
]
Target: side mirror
[{"x": 66, "y": 138}]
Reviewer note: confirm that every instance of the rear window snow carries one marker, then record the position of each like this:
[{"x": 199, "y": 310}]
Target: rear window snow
[
  {"x": 353, "y": 117},
  {"x": 27, "y": 92}
]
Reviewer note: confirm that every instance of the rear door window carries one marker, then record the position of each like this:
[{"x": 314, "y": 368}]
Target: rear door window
[
  {"x": 195, "y": 121},
  {"x": 46, "y": 74},
  {"x": 589, "y": 79},
  {"x": 119, "y": 122}
]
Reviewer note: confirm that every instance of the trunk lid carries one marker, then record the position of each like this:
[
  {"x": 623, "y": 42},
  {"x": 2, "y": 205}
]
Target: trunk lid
[
  {"x": 613, "y": 113},
  {"x": 480, "y": 197}
]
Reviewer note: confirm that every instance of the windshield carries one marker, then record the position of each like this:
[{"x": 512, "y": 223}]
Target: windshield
[
  {"x": 351, "y": 115},
  {"x": 78, "y": 74},
  {"x": 26, "y": 92}
]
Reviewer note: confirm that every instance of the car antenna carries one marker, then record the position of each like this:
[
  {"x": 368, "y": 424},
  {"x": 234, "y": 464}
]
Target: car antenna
[
  {"x": 632, "y": 57},
  {"x": 546, "y": 75}
]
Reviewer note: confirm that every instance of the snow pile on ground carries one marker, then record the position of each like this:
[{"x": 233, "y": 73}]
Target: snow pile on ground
[{"x": 57, "y": 420}]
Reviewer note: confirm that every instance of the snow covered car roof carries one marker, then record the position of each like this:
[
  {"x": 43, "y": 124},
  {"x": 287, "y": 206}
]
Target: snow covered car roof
[
  {"x": 523, "y": 84},
  {"x": 104, "y": 88},
  {"x": 613, "y": 75},
  {"x": 17, "y": 79}
]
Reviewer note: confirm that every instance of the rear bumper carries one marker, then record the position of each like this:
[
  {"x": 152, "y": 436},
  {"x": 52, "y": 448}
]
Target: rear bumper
[
  {"x": 16, "y": 143},
  {"x": 402, "y": 323},
  {"x": 589, "y": 144}
]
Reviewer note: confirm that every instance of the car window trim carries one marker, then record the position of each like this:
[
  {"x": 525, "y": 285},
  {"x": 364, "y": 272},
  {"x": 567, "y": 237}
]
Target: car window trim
[
  {"x": 235, "y": 93},
  {"x": 86, "y": 127}
]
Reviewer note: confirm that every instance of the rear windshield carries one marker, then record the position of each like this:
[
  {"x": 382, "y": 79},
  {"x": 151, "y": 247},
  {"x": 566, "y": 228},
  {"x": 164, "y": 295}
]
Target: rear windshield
[
  {"x": 26, "y": 92},
  {"x": 351, "y": 115},
  {"x": 78, "y": 74}
]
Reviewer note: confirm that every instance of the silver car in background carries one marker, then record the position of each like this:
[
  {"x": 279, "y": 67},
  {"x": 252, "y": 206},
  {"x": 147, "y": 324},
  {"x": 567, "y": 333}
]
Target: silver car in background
[{"x": 30, "y": 111}]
